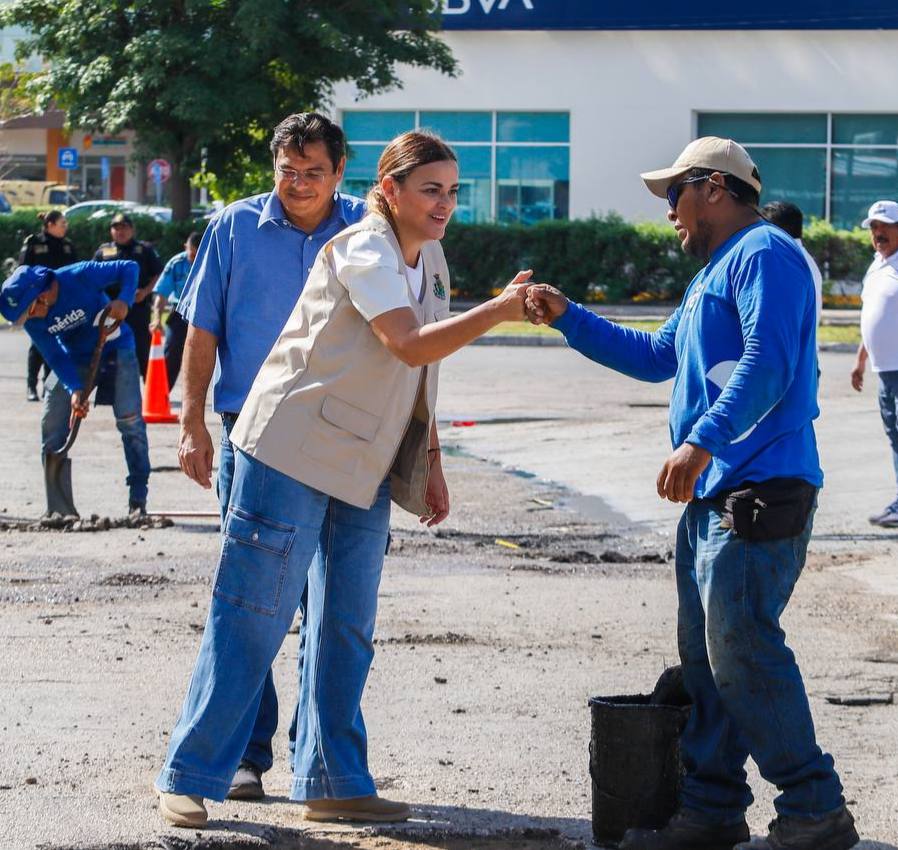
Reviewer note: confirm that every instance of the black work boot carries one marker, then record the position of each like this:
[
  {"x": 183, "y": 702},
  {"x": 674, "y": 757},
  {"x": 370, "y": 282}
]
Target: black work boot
[
  {"x": 137, "y": 509},
  {"x": 834, "y": 832},
  {"x": 686, "y": 830}
]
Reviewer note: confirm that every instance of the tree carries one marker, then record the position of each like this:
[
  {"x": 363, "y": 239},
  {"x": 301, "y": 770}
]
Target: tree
[
  {"x": 14, "y": 102},
  {"x": 189, "y": 74}
]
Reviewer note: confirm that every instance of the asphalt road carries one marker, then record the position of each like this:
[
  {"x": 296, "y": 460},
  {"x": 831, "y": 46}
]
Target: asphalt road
[{"x": 487, "y": 652}]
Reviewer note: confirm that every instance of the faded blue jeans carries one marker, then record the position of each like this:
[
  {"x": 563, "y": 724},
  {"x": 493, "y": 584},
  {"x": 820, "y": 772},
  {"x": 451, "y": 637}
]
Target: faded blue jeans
[
  {"x": 274, "y": 528},
  {"x": 888, "y": 409},
  {"x": 259, "y": 752},
  {"x": 126, "y": 407},
  {"x": 747, "y": 692}
]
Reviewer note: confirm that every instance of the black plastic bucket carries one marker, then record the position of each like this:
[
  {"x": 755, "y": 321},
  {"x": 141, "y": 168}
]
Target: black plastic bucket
[{"x": 634, "y": 762}]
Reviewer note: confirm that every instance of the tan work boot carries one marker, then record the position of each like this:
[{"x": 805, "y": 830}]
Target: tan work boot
[
  {"x": 372, "y": 808},
  {"x": 183, "y": 810}
]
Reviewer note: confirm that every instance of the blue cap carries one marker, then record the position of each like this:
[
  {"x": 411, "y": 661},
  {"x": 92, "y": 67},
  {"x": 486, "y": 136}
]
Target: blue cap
[{"x": 21, "y": 288}]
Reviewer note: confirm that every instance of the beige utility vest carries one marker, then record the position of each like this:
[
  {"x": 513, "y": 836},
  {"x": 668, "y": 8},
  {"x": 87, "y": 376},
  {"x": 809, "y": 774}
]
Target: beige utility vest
[{"x": 331, "y": 406}]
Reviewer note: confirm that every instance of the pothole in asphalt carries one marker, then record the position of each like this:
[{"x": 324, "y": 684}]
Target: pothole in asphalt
[
  {"x": 443, "y": 639},
  {"x": 132, "y": 580},
  {"x": 94, "y": 523},
  {"x": 293, "y": 840}
]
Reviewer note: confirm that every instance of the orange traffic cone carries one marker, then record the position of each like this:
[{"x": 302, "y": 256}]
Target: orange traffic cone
[{"x": 156, "y": 407}]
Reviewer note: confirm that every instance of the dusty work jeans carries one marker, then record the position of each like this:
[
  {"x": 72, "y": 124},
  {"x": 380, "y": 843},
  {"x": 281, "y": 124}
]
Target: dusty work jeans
[
  {"x": 126, "y": 406},
  {"x": 888, "y": 410},
  {"x": 748, "y": 695},
  {"x": 275, "y": 529}
]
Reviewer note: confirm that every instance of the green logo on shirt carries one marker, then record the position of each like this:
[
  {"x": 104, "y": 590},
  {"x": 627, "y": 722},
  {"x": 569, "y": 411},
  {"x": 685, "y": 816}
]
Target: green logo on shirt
[{"x": 438, "y": 289}]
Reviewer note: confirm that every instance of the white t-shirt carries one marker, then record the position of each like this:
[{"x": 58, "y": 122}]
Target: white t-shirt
[
  {"x": 818, "y": 278},
  {"x": 366, "y": 265},
  {"x": 415, "y": 277},
  {"x": 879, "y": 313}
]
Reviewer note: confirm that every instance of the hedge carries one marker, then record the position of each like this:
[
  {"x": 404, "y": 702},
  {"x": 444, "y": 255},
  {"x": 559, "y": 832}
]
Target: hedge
[
  {"x": 89, "y": 234},
  {"x": 597, "y": 259}
]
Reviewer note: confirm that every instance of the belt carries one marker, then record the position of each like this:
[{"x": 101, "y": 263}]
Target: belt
[{"x": 229, "y": 418}]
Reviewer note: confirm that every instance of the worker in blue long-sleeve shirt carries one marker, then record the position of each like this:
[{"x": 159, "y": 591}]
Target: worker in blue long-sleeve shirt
[
  {"x": 741, "y": 350},
  {"x": 60, "y": 310}
]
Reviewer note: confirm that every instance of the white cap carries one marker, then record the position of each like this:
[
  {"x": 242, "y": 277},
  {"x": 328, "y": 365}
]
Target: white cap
[
  {"x": 885, "y": 211},
  {"x": 711, "y": 152}
]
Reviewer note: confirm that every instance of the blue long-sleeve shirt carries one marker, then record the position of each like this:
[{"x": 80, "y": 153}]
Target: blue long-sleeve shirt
[
  {"x": 68, "y": 335},
  {"x": 741, "y": 350}
]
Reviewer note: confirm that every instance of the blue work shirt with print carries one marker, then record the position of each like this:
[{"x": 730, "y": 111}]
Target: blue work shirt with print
[
  {"x": 250, "y": 269},
  {"x": 171, "y": 282},
  {"x": 742, "y": 351},
  {"x": 68, "y": 334}
]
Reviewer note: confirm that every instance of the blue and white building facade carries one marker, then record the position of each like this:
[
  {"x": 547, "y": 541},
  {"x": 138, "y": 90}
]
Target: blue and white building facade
[{"x": 560, "y": 104}]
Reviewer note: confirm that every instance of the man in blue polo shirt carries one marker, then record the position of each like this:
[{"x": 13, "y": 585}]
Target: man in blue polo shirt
[
  {"x": 169, "y": 288},
  {"x": 250, "y": 269},
  {"x": 741, "y": 351}
]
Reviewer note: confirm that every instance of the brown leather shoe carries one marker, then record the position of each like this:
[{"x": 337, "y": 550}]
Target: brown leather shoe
[
  {"x": 183, "y": 810},
  {"x": 372, "y": 808}
]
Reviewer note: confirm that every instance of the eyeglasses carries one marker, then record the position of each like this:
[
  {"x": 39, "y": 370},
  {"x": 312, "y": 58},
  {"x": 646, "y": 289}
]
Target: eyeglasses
[{"x": 291, "y": 175}]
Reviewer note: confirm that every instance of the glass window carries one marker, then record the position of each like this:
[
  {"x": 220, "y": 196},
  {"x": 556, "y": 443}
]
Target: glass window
[
  {"x": 532, "y": 184},
  {"x": 860, "y": 177},
  {"x": 460, "y": 126},
  {"x": 794, "y": 175},
  {"x": 475, "y": 172},
  {"x": 748, "y": 128},
  {"x": 376, "y": 126},
  {"x": 361, "y": 169},
  {"x": 865, "y": 129},
  {"x": 530, "y": 181},
  {"x": 533, "y": 127}
]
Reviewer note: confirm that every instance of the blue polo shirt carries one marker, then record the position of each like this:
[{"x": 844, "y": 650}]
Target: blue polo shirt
[
  {"x": 171, "y": 283},
  {"x": 250, "y": 269},
  {"x": 741, "y": 349}
]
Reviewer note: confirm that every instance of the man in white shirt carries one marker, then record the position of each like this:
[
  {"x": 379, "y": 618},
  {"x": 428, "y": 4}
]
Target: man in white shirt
[
  {"x": 790, "y": 218},
  {"x": 879, "y": 330}
]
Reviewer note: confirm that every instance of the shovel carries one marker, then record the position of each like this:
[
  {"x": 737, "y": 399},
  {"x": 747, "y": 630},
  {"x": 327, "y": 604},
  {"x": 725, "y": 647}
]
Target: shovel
[{"x": 57, "y": 465}]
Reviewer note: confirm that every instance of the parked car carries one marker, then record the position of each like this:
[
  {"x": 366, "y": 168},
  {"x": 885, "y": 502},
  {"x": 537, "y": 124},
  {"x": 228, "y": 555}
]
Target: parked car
[
  {"x": 103, "y": 208},
  {"x": 39, "y": 193}
]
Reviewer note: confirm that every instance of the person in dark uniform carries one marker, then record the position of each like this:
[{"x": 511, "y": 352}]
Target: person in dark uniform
[
  {"x": 125, "y": 247},
  {"x": 49, "y": 248}
]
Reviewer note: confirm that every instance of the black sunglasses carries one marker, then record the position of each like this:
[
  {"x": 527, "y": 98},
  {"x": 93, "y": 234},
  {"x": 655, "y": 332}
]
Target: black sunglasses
[{"x": 673, "y": 193}]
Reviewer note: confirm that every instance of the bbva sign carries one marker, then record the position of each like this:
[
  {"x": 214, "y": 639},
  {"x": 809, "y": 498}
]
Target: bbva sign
[{"x": 463, "y": 7}]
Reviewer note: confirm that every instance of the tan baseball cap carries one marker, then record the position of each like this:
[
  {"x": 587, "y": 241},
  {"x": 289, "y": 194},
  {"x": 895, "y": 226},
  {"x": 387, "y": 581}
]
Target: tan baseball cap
[{"x": 723, "y": 155}]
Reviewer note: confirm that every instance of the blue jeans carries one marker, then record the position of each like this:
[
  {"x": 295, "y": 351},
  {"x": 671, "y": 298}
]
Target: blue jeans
[
  {"x": 274, "y": 529},
  {"x": 888, "y": 409},
  {"x": 747, "y": 691},
  {"x": 175, "y": 337},
  {"x": 126, "y": 406},
  {"x": 258, "y": 752}
]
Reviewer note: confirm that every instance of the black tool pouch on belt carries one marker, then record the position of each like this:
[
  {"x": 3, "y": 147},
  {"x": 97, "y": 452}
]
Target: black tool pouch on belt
[{"x": 771, "y": 510}]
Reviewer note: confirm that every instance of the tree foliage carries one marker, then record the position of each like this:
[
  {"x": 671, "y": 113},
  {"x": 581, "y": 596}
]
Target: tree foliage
[{"x": 188, "y": 74}]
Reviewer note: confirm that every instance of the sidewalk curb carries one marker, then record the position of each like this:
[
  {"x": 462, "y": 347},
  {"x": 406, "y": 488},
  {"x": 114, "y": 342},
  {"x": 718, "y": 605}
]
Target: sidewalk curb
[
  {"x": 534, "y": 340},
  {"x": 537, "y": 341}
]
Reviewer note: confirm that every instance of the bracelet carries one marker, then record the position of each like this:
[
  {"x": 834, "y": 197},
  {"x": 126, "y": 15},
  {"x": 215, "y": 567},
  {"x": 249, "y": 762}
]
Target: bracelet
[{"x": 429, "y": 451}]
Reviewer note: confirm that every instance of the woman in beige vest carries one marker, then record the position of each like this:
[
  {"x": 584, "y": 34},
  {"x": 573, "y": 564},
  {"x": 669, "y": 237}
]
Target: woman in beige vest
[{"x": 340, "y": 420}]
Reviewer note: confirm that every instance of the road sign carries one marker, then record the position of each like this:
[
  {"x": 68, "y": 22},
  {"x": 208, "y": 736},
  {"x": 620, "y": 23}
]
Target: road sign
[
  {"x": 104, "y": 168},
  {"x": 159, "y": 170},
  {"x": 68, "y": 159}
]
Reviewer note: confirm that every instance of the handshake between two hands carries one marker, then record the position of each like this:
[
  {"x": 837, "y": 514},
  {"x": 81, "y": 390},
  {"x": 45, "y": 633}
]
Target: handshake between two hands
[
  {"x": 538, "y": 303},
  {"x": 542, "y": 304}
]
